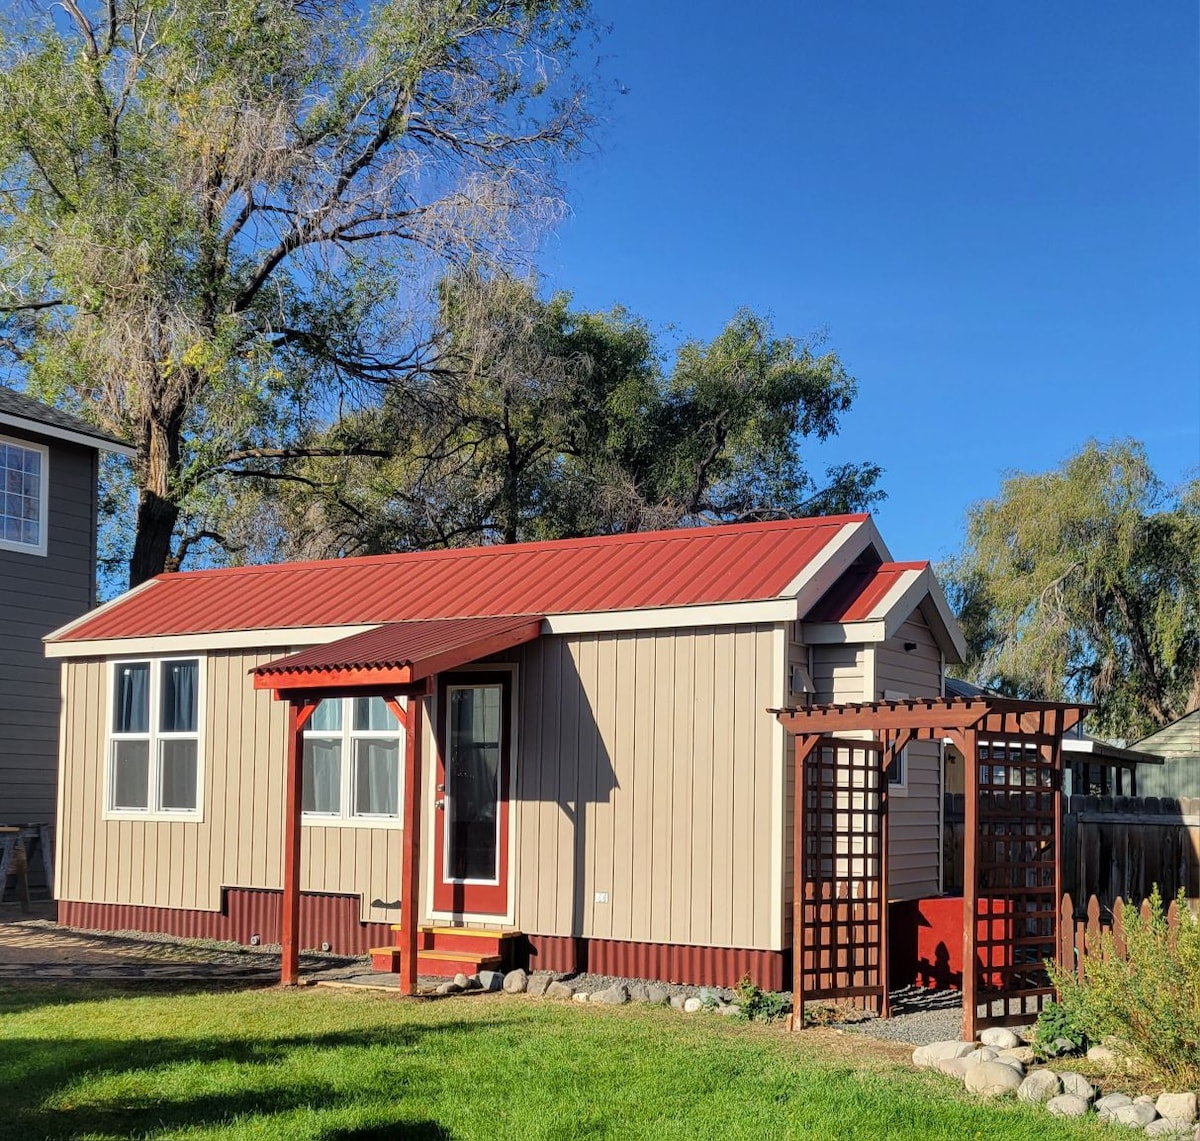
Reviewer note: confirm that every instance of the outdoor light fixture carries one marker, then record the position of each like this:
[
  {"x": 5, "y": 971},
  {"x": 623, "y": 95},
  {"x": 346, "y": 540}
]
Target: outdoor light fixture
[{"x": 909, "y": 647}]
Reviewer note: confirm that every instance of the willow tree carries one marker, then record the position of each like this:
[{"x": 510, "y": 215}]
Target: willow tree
[
  {"x": 1084, "y": 583},
  {"x": 215, "y": 214}
]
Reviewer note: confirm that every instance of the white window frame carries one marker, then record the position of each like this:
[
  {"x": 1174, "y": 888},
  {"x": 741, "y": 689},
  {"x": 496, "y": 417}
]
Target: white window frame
[
  {"x": 898, "y": 787},
  {"x": 345, "y": 817},
  {"x": 154, "y": 736},
  {"x": 41, "y": 546}
]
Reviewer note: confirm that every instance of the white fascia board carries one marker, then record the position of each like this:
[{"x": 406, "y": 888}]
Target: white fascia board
[
  {"x": 54, "y": 432},
  {"x": 673, "y": 617},
  {"x": 810, "y": 585},
  {"x": 946, "y": 623},
  {"x": 283, "y": 638},
  {"x": 64, "y": 631},
  {"x": 843, "y": 633}
]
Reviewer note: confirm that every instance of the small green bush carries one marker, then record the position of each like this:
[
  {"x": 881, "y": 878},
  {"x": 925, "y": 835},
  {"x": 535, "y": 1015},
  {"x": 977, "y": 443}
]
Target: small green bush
[
  {"x": 1052, "y": 1024},
  {"x": 758, "y": 1005},
  {"x": 1150, "y": 997}
]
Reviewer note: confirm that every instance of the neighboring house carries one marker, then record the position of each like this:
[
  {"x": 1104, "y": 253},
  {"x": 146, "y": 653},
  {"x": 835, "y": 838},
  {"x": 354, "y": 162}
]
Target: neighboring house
[
  {"x": 48, "y": 466},
  {"x": 603, "y": 771},
  {"x": 1177, "y": 774}
]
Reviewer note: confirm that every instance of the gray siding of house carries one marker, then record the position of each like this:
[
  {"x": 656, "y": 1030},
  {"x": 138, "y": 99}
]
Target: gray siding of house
[{"x": 40, "y": 594}]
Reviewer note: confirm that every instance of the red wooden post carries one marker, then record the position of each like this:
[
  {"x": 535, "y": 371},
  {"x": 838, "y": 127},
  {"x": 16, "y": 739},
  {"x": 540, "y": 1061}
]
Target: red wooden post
[
  {"x": 884, "y": 761},
  {"x": 289, "y": 936},
  {"x": 804, "y": 748},
  {"x": 970, "y": 883},
  {"x": 410, "y": 876}
]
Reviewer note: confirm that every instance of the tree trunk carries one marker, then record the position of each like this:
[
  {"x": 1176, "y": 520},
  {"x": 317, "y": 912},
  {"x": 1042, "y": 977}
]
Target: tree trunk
[{"x": 157, "y": 512}]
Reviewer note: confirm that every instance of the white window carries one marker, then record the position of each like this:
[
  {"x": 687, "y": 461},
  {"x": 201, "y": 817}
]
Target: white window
[
  {"x": 352, "y": 769},
  {"x": 154, "y": 738},
  {"x": 898, "y": 775},
  {"x": 24, "y": 484}
]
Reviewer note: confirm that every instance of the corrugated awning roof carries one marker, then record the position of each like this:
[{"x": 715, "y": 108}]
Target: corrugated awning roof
[
  {"x": 858, "y": 596},
  {"x": 399, "y": 653},
  {"x": 685, "y": 567}
]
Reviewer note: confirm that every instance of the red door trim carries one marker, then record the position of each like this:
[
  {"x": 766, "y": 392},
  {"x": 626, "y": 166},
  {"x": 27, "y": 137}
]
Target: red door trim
[{"x": 471, "y": 898}]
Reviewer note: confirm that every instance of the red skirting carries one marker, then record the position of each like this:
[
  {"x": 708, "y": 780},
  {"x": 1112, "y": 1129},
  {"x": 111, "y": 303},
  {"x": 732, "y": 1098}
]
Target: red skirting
[
  {"x": 245, "y": 912},
  {"x": 665, "y": 962}
]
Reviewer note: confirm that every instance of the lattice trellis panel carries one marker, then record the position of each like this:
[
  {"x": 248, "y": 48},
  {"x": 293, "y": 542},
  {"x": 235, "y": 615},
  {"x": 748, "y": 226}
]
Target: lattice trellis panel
[{"x": 842, "y": 913}]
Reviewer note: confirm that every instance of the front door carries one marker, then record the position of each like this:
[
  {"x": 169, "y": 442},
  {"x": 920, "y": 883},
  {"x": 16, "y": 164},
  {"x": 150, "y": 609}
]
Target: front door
[{"x": 471, "y": 796}]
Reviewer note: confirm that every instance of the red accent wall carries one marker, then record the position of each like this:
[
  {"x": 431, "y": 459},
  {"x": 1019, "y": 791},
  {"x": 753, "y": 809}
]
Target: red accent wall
[{"x": 331, "y": 919}]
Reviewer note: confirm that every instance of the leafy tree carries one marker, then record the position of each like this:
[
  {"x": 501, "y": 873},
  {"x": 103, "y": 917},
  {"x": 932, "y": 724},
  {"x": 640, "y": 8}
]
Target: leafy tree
[
  {"x": 1084, "y": 583},
  {"x": 214, "y": 213},
  {"x": 535, "y": 420}
]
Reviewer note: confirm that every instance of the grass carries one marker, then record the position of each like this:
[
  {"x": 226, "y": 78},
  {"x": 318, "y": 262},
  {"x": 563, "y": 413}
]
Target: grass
[{"x": 341, "y": 1065}]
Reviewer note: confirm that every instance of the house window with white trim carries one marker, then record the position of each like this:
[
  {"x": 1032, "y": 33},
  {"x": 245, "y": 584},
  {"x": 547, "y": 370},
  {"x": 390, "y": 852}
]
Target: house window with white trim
[
  {"x": 154, "y": 739},
  {"x": 898, "y": 774},
  {"x": 23, "y": 496},
  {"x": 352, "y": 765}
]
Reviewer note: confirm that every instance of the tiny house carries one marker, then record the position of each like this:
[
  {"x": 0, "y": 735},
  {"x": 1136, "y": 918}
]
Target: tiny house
[{"x": 604, "y": 787}]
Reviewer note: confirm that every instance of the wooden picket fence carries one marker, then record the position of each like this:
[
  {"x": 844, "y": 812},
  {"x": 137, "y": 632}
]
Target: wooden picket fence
[{"x": 1082, "y": 937}]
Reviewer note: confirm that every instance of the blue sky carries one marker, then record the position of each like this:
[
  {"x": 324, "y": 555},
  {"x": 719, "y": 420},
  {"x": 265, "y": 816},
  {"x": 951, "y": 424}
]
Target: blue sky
[{"x": 993, "y": 210}]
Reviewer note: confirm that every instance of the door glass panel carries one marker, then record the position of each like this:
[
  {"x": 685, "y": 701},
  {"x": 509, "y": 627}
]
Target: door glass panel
[{"x": 473, "y": 783}]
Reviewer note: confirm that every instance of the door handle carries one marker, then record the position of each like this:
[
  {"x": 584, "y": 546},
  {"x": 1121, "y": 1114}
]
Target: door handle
[{"x": 440, "y": 804}]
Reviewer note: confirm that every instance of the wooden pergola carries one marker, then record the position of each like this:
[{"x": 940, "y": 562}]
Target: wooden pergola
[
  {"x": 397, "y": 662},
  {"x": 1012, "y": 882}
]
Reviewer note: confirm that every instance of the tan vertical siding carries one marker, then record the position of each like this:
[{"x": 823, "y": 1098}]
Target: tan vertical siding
[
  {"x": 238, "y": 843},
  {"x": 646, "y": 763},
  {"x": 913, "y": 826}
]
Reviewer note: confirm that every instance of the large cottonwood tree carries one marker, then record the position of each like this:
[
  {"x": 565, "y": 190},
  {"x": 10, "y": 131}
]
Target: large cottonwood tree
[
  {"x": 214, "y": 213},
  {"x": 1084, "y": 583}
]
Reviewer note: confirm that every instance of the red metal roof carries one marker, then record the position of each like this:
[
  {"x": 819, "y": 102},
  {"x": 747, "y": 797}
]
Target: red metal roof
[
  {"x": 736, "y": 563},
  {"x": 406, "y": 651},
  {"x": 855, "y": 596}
]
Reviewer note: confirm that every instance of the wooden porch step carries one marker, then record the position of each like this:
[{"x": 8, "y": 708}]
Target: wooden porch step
[
  {"x": 447, "y": 964},
  {"x": 471, "y": 942}
]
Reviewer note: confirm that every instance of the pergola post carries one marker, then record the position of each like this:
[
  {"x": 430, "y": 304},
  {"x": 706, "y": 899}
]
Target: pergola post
[
  {"x": 410, "y": 852},
  {"x": 298, "y": 714}
]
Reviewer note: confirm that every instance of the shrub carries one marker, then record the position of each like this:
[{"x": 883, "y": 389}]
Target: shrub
[
  {"x": 1149, "y": 998},
  {"x": 757, "y": 1004},
  {"x": 1053, "y": 1024}
]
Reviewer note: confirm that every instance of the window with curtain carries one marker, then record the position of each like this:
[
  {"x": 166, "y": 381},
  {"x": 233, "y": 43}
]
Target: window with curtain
[
  {"x": 351, "y": 765},
  {"x": 154, "y": 748},
  {"x": 23, "y": 502}
]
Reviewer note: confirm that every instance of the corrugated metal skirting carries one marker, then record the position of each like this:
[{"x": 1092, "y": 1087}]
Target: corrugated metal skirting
[
  {"x": 247, "y": 912},
  {"x": 666, "y": 962}
]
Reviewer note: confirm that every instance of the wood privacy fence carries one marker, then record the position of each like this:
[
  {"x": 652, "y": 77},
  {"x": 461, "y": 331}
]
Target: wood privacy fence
[
  {"x": 1082, "y": 934},
  {"x": 1113, "y": 846}
]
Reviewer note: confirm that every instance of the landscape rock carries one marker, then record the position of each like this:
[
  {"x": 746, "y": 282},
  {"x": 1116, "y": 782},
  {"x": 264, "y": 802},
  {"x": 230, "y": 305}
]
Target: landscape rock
[
  {"x": 658, "y": 995},
  {"x": 490, "y": 980},
  {"x": 691, "y": 1005},
  {"x": 929, "y": 1056},
  {"x": 1078, "y": 1085},
  {"x": 1023, "y": 1054},
  {"x": 538, "y": 983},
  {"x": 730, "y": 1008},
  {"x": 1040, "y": 1086},
  {"x": 560, "y": 990},
  {"x": 615, "y": 995},
  {"x": 1009, "y": 1060},
  {"x": 516, "y": 981},
  {"x": 1103, "y": 1056},
  {"x": 1111, "y": 1102},
  {"x": 1143, "y": 1099},
  {"x": 1136, "y": 1115},
  {"x": 582, "y": 996},
  {"x": 1177, "y": 1106},
  {"x": 999, "y": 1037},
  {"x": 1177, "y": 1127},
  {"x": 1063, "y": 1046},
  {"x": 448, "y": 987},
  {"x": 984, "y": 1054},
  {"x": 992, "y": 1079},
  {"x": 678, "y": 1001},
  {"x": 954, "y": 1067},
  {"x": 637, "y": 992},
  {"x": 462, "y": 982},
  {"x": 1067, "y": 1105}
]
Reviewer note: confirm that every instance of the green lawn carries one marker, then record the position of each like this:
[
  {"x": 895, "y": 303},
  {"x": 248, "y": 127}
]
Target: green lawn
[{"x": 338, "y": 1065}]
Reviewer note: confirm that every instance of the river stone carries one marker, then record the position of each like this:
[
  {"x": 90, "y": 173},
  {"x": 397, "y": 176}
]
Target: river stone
[
  {"x": 462, "y": 982},
  {"x": 1103, "y": 1056},
  {"x": 516, "y": 981},
  {"x": 1178, "y": 1106},
  {"x": 1023, "y": 1054},
  {"x": 929, "y": 1056},
  {"x": 678, "y": 1001},
  {"x": 658, "y": 995},
  {"x": 1143, "y": 1099},
  {"x": 1177, "y": 1127},
  {"x": 615, "y": 995},
  {"x": 637, "y": 992},
  {"x": 491, "y": 980},
  {"x": 1138, "y": 1116},
  {"x": 1067, "y": 1105},
  {"x": 1064, "y": 1046},
  {"x": 538, "y": 983},
  {"x": 559, "y": 990},
  {"x": 992, "y": 1079},
  {"x": 1009, "y": 1060},
  {"x": 1078, "y": 1085},
  {"x": 582, "y": 996},
  {"x": 954, "y": 1067},
  {"x": 730, "y": 1008},
  {"x": 1039, "y": 1086},
  {"x": 1111, "y": 1102},
  {"x": 448, "y": 987},
  {"x": 691, "y": 1005},
  {"x": 999, "y": 1037},
  {"x": 984, "y": 1054}
]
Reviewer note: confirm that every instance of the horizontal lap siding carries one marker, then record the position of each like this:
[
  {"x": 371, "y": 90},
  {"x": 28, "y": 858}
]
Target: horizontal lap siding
[
  {"x": 913, "y": 825},
  {"x": 239, "y": 843},
  {"x": 644, "y": 771}
]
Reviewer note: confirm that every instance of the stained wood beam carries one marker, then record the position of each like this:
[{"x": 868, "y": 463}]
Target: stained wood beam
[
  {"x": 410, "y": 852},
  {"x": 299, "y": 713}
]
